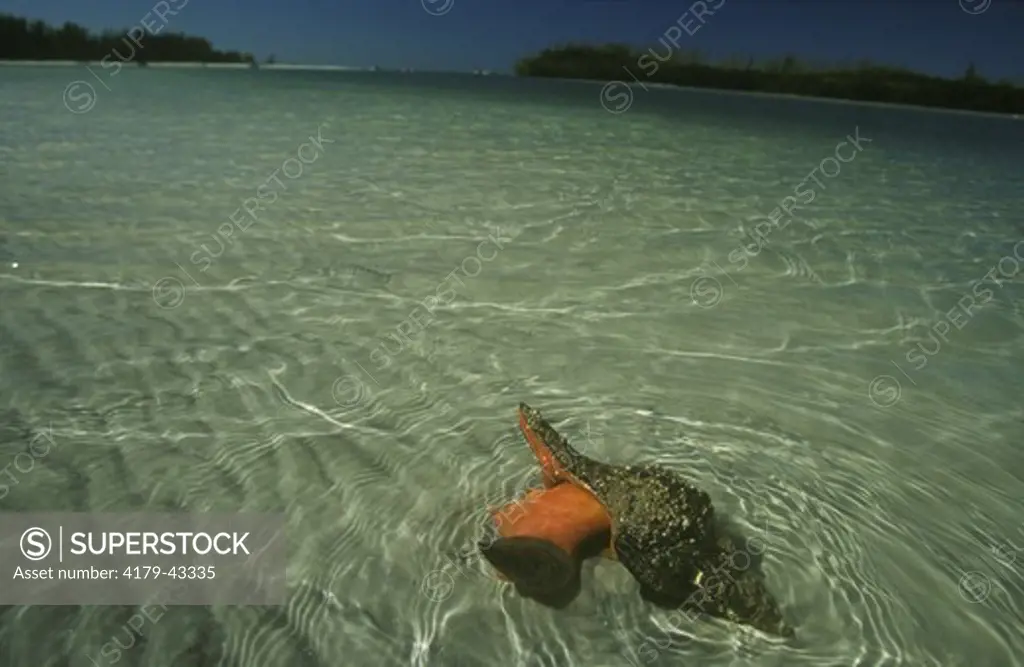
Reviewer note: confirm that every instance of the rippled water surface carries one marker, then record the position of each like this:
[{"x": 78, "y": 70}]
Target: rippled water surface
[{"x": 848, "y": 388}]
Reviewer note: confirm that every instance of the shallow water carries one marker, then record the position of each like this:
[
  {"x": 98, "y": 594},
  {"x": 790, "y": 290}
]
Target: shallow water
[{"x": 588, "y": 263}]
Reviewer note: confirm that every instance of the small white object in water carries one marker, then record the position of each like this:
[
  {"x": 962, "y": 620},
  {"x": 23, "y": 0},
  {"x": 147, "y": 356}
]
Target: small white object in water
[{"x": 14, "y": 265}]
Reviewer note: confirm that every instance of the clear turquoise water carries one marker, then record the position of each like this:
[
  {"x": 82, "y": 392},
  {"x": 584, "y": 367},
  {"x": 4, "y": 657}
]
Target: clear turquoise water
[{"x": 259, "y": 382}]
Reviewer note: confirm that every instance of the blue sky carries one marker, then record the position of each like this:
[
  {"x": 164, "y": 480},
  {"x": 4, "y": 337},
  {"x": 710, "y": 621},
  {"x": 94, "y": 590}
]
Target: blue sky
[{"x": 935, "y": 36}]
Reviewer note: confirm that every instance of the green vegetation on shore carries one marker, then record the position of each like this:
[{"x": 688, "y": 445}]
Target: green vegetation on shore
[
  {"x": 21, "y": 39},
  {"x": 863, "y": 82}
]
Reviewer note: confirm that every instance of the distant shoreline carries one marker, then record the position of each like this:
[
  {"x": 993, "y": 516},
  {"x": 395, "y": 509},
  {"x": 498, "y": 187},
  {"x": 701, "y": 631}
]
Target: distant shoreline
[
  {"x": 659, "y": 85},
  {"x": 592, "y": 82},
  {"x": 184, "y": 64},
  {"x": 810, "y": 98},
  {"x": 616, "y": 64}
]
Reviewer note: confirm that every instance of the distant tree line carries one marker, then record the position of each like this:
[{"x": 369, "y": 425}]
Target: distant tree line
[
  {"x": 864, "y": 81},
  {"x": 21, "y": 39}
]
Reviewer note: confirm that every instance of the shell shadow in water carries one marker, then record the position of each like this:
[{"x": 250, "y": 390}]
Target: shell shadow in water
[{"x": 538, "y": 569}]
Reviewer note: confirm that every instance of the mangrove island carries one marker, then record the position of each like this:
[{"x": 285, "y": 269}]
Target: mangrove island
[
  {"x": 21, "y": 39},
  {"x": 864, "y": 81}
]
